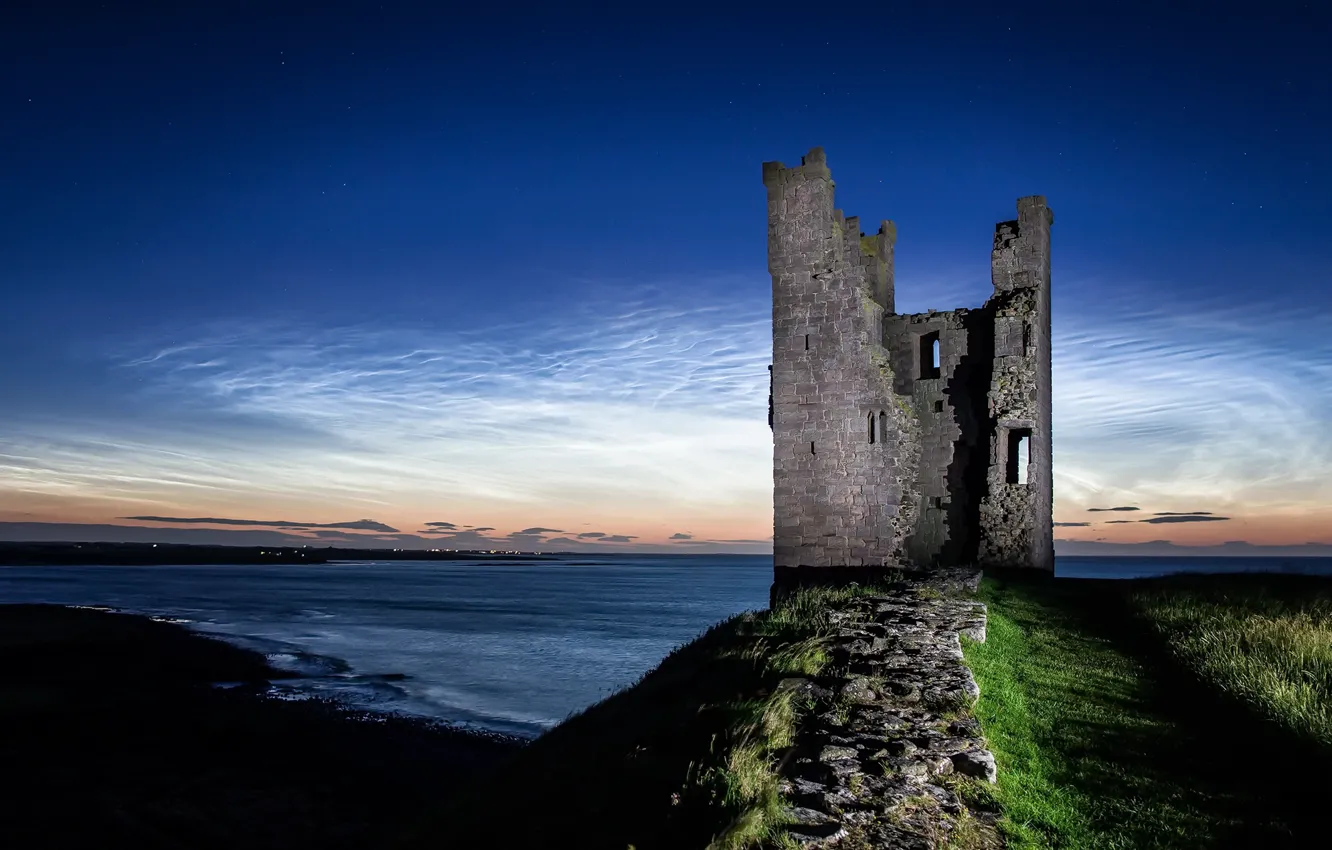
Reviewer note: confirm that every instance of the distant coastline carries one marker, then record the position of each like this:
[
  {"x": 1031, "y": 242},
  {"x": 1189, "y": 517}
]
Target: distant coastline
[{"x": 152, "y": 554}]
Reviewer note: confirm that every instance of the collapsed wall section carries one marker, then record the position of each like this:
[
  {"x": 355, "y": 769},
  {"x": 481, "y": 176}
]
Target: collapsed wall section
[
  {"x": 845, "y": 446},
  {"x": 942, "y": 360}
]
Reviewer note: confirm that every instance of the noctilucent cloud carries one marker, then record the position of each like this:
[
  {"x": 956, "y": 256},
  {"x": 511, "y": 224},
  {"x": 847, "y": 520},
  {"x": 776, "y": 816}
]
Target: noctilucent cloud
[{"x": 401, "y": 275}]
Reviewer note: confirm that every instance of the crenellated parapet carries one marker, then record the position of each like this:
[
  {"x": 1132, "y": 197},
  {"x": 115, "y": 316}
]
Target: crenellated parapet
[{"x": 842, "y": 490}]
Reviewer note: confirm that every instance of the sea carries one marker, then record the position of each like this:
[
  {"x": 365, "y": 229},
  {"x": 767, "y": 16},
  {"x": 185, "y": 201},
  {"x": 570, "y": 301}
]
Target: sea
[{"x": 512, "y": 647}]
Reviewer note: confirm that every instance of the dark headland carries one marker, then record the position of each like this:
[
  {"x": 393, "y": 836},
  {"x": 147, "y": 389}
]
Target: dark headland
[{"x": 114, "y": 735}]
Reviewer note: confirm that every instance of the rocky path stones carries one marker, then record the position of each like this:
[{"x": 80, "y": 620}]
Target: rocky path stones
[{"x": 889, "y": 731}]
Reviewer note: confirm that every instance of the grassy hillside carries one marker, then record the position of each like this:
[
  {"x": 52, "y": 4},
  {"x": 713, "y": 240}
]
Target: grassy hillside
[
  {"x": 1167, "y": 713},
  {"x": 684, "y": 758},
  {"x": 1174, "y": 713}
]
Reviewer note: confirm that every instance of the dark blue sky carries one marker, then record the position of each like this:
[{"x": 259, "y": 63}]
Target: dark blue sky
[{"x": 383, "y": 178}]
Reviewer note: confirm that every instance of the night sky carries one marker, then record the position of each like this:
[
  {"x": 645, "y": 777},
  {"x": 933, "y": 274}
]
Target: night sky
[{"x": 501, "y": 277}]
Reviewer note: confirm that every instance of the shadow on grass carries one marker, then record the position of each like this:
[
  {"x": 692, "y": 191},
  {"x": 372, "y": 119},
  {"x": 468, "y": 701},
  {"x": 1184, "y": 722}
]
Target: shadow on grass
[{"x": 1160, "y": 758}]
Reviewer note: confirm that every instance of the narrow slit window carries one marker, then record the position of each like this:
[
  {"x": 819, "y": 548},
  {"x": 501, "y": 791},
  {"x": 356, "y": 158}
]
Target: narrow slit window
[
  {"x": 1019, "y": 455},
  {"x": 883, "y": 426},
  {"x": 811, "y": 448},
  {"x": 807, "y": 342},
  {"x": 871, "y": 428},
  {"x": 929, "y": 355}
]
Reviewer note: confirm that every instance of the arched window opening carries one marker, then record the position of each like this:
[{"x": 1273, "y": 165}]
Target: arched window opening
[{"x": 929, "y": 355}]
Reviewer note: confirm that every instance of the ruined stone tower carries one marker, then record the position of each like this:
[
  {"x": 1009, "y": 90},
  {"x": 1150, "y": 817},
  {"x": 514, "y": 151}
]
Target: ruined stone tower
[{"x": 904, "y": 440}]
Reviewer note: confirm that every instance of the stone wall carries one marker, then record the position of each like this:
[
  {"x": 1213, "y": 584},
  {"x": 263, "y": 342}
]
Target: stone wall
[
  {"x": 845, "y": 446},
  {"x": 889, "y": 732}
]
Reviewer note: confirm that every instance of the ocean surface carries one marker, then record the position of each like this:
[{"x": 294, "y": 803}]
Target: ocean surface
[{"x": 511, "y": 647}]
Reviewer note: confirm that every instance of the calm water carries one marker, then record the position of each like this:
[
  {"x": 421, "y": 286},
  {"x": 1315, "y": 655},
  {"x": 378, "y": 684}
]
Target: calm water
[{"x": 512, "y": 647}]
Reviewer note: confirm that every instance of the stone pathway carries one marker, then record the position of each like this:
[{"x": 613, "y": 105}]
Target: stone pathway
[{"x": 876, "y": 761}]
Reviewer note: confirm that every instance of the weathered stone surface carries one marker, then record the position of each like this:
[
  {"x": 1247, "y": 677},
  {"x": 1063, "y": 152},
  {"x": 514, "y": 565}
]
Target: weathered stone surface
[
  {"x": 857, "y": 691},
  {"x": 830, "y": 754},
  {"x": 875, "y": 757},
  {"x": 977, "y": 763},
  {"x": 818, "y": 835}
]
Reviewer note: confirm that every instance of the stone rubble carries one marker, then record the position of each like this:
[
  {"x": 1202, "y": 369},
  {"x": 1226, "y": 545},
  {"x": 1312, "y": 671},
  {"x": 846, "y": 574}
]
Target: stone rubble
[{"x": 890, "y": 729}]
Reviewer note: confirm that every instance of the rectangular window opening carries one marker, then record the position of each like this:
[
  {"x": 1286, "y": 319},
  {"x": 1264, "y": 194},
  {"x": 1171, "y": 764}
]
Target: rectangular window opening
[
  {"x": 1019, "y": 455},
  {"x": 938, "y": 501},
  {"x": 811, "y": 448},
  {"x": 938, "y": 407},
  {"x": 929, "y": 355}
]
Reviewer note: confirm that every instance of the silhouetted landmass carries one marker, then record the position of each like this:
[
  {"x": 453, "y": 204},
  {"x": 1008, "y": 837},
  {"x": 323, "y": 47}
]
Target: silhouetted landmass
[
  {"x": 115, "y": 737},
  {"x": 147, "y": 554}
]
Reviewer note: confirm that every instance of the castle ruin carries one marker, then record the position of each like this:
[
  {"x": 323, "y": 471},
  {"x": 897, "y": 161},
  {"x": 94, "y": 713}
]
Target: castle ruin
[{"x": 918, "y": 440}]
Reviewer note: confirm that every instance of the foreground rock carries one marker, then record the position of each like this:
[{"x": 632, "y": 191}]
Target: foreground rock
[{"x": 889, "y": 740}]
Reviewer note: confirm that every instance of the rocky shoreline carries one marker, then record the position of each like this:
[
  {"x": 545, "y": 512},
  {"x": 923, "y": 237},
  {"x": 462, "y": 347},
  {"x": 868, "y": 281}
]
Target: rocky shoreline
[{"x": 883, "y": 758}]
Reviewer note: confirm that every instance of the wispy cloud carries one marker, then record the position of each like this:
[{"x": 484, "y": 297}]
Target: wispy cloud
[
  {"x": 1162, "y": 402},
  {"x": 622, "y": 407},
  {"x": 633, "y": 409}
]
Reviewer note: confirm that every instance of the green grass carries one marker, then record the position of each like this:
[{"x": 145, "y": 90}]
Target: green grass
[
  {"x": 1136, "y": 714},
  {"x": 1268, "y": 643},
  {"x": 686, "y": 757}
]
